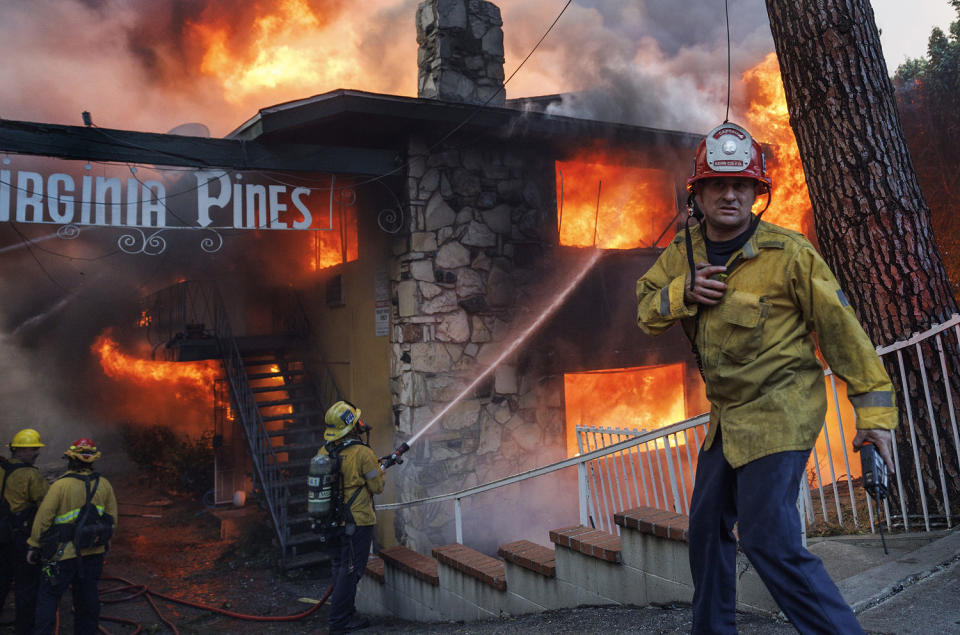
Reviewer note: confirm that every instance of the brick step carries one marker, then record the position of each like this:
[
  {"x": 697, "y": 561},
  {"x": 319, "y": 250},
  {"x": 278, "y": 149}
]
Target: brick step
[
  {"x": 419, "y": 566},
  {"x": 376, "y": 569},
  {"x": 590, "y": 542},
  {"x": 490, "y": 571},
  {"x": 655, "y": 522},
  {"x": 530, "y": 555}
]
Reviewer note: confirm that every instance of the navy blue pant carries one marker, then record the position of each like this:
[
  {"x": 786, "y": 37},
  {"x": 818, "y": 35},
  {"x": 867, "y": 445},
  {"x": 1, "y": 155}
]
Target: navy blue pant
[
  {"x": 80, "y": 574},
  {"x": 25, "y": 578},
  {"x": 762, "y": 496},
  {"x": 348, "y": 561}
]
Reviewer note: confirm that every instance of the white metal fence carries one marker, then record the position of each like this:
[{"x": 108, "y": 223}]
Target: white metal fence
[
  {"x": 660, "y": 471},
  {"x": 620, "y": 468}
]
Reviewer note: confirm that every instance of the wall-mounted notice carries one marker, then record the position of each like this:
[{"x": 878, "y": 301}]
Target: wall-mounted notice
[{"x": 381, "y": 311}]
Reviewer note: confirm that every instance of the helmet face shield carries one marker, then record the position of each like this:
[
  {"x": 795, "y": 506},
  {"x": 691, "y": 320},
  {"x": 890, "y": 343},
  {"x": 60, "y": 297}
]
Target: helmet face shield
[{"x": 729, "y": 151}]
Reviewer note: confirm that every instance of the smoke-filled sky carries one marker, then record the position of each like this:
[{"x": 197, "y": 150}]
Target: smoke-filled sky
[{"x": 155, "y": 64}]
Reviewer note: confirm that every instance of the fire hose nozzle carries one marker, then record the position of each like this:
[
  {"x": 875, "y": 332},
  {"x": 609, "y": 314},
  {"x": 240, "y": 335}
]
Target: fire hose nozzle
[{"x": 394, "y": 458}]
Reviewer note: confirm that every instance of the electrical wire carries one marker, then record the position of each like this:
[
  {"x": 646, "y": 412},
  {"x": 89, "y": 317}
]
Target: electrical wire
[{"x": 26, "y": 243}]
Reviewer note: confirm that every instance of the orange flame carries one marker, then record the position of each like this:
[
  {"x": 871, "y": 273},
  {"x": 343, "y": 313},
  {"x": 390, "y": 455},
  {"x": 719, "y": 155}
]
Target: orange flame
[
  {"x": 119, "y": 365},
  {"x": 288, "y": 48},
  {"x": 638, "y": 398},
  {"x": 605, "y": 203},
  {"x": 769, "y": 122},
  {"x": 146, "y": 392}
]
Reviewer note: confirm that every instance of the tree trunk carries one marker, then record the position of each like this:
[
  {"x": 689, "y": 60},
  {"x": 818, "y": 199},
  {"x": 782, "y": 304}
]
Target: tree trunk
[{"x": 872, "y": 222}]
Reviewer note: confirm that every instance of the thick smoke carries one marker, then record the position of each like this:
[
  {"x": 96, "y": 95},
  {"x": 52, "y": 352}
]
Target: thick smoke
[
  {"x": 643, "y": 63},
  {"x": 154, "y": 64}
]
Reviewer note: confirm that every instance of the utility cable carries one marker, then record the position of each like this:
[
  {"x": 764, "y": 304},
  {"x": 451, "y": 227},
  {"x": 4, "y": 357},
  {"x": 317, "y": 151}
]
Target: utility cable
[{"x": 26, "y": 243}]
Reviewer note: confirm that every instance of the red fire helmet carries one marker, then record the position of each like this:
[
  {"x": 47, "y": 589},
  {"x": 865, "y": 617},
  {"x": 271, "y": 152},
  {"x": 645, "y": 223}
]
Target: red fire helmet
[
  {"x": 83, "y": 449},
  {"x": 728, "y": 151}
]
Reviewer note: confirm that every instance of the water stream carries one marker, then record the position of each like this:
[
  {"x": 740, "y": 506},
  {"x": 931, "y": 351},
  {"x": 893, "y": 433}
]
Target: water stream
[{"x": 516, "y": 343}]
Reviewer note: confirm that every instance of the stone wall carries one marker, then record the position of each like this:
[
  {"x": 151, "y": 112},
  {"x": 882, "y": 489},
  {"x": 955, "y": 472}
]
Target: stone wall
[
  {"x": 464, "y": 278},
  {"x": 460, "y": 55}
]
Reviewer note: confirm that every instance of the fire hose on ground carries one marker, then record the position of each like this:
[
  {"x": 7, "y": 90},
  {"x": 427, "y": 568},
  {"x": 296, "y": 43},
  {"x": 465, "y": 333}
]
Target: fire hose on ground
[{"x": 141, "y": 590}]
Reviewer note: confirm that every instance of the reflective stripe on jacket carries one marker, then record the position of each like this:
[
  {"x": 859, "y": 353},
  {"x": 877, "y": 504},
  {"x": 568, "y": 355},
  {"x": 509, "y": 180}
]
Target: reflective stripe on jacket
[
  {"x": 63, "y": 503},
  {"x": 360, "y": 468},
  {"x": 763, "y": 379}
]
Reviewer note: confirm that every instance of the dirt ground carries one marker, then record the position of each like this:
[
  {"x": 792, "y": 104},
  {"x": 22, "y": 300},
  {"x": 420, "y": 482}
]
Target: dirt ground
[{"x": 171, "y": 545}]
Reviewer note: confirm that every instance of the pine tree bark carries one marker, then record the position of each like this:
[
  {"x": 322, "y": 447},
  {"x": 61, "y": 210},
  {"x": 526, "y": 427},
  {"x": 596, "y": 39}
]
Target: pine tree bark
[{"x": 872, "y": 222}]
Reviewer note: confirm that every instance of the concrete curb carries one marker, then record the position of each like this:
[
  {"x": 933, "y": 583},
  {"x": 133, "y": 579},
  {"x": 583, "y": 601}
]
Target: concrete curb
[{"x": 868, "y": 589}]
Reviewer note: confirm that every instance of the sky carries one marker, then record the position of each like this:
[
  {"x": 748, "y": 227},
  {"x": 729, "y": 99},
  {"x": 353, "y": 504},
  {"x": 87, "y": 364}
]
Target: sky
[
  {"x": 155, "y": 64},
  {"x": 905, "y": 26}
]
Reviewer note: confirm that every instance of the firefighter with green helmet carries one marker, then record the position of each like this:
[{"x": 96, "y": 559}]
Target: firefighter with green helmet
[
  {"x": 71, "y": 533},
  {"x": 22, "y": 487},
  {"x": 344, "y": 476}
]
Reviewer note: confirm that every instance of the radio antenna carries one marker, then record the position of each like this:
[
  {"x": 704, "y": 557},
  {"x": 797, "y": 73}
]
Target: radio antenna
[{"x": 726, "y": 11}]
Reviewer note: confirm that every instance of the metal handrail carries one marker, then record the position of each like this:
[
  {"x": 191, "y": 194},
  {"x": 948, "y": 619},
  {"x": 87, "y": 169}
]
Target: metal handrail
[
  {"x": 199, "y": 302},
  {"x": 679, "y": 502}
]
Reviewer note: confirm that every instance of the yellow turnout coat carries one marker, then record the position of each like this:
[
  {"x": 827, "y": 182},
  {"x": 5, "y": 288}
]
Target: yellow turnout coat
[{"x": 763, "y": 379}]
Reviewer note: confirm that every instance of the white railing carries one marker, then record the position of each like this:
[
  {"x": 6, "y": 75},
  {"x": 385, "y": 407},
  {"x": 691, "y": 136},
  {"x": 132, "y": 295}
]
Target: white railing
[
  {"x": 620, "y": 468},
  {"x": 618, "y": 478}
]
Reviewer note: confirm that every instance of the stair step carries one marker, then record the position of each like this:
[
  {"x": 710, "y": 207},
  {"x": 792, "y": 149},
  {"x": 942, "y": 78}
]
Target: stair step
[
  {"x": 284, "y": 432},
  {"x": 283, "y": 373},
  {"x": 294, "y": 447},
  {"x": 298, "y": 464},
  {"x": 287, "y": 387},
  {"x": 284, "y": 402},
  {"x": 304, "y": 538},
  {"x": 307, "y": 559},
  {"x": 294, "y": 415}
]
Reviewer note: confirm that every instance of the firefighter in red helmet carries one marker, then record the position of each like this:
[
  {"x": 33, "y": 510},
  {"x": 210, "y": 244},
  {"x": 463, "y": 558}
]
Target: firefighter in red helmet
[
  {"x": 71, "y": 533},
  {"x": 750, "y": 295}
]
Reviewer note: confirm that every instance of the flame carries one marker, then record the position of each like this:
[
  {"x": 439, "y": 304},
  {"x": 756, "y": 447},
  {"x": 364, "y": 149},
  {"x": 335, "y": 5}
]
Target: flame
[
  {"x": 186, "y": 375},
  {"x": 638, "y": 398},
  {"x": 289, "y": 47},
  {"x": 769, "y": 122},
  {"x": 147, "y": 392},
  {"x": 603, "y": 202}
]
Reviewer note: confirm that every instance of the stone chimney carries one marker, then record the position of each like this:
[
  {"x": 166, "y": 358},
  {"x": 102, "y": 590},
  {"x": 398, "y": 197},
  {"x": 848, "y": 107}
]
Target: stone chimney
[{"x": 460, "y": 57}]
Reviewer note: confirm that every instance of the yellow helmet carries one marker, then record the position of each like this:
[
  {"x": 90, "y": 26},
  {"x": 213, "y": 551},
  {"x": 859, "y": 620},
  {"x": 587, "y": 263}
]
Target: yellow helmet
[
  {"x": 341, "y": 417},
  {"x": 83, "y": 449},
  {"x": 26, "y": 438}
]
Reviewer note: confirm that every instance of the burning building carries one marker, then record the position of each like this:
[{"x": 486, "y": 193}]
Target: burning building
[
  {"x": 451, "y": 222},
  {"x": 492, "y": 210}
]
